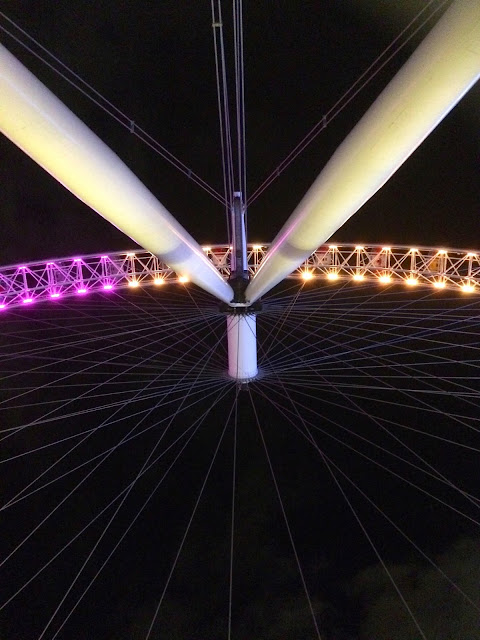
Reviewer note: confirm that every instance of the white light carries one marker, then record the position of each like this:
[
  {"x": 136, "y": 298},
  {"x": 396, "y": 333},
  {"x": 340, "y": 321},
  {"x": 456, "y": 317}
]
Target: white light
[
  {"x": 307, "y": 275},
  {"x": 439, "y": 284},
  {"x": 358, "y": 276},
  {"x": 207, "y": 248},
  {"x": 256, "y": 247},
  {"x": 411, "y": 281},
  {"x": 332, "y": 275},
  {"x": 468, "y": 288},
  {"x": 384, "y": 279},
  {"x": 386, "y": 249},
  {"x": 183, "y": 279},
  {"x": 442, "y": 252},
  {"x": 130, "y": 255},
  {"x": 471, "y": 255},
  {"x": 358, "y": 248},
  {"x": 413, "y": 250},
  {"x": 333, "y": 246},
  {"x": 159, "y": 281},
  {"x": 133, "y": 283}
]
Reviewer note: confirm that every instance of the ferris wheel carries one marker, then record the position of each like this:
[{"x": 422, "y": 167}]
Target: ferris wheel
[{"x": 242, "y": 334}]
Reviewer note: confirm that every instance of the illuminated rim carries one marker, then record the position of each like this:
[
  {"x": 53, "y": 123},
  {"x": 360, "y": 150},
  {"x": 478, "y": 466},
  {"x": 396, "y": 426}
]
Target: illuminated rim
[{"x": 26, "y": 283}]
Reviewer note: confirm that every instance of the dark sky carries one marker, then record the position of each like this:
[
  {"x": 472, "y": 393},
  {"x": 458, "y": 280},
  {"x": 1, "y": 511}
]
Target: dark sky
[{"x": 155, "y": 62}]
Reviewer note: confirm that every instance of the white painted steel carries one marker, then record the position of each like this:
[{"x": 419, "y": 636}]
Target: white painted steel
[
  {"x": 45, "y": 129},
  {"x": 429, "y": 85},
  {"x": 242, "y": 346}
]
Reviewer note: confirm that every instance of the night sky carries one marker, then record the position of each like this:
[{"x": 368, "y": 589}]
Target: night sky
[{"x": 155, "y": 62}]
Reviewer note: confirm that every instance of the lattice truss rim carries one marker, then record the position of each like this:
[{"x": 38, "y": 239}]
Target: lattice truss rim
[{"x": 428, "y": 266}]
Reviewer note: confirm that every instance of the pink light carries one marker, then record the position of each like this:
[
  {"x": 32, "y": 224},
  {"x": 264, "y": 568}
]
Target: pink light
[
  {"x": 2, "y": 306},
  {"x": 22, "y": 267},
  {"x": 107, "y": 287},
  {"x": 55, "y": 295},
  {"x": 104, "y": 257},
  {"x": 77, "y": 259},
  {"x": 27, "y": 300},
  {"x": 81, "y": 291}
]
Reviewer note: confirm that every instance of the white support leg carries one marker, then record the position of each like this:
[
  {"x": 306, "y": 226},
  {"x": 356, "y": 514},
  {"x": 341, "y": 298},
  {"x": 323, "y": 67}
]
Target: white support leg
[{"x": 242, "y": 346}]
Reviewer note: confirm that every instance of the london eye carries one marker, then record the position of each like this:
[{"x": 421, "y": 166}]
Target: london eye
[{"x": 255, "y": 437}]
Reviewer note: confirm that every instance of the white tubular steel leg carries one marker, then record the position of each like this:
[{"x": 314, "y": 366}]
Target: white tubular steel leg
[
  {"x": 242, "y": 346},
  {"x": 428, "y": 86},
  {"x": 45, "y": 129}
]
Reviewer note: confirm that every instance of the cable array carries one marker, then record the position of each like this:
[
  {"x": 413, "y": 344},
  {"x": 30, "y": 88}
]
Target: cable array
[{"x": 114, "y": 398}]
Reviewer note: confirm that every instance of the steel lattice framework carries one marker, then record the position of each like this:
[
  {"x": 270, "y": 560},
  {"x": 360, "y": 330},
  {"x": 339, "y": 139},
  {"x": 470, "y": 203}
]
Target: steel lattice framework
[{"x": 441, "y": 268}]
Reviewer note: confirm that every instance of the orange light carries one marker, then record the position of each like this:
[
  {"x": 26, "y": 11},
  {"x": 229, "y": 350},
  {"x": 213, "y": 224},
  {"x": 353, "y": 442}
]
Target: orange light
[
  {"x": 385, "y": 279},
  {"x": 133, "y": 283},
  {"x": 439, "y": 284},
  {"x": 411, "y": 281},
  {"x": 358, "y": 277},
  {"x": 307, "y": 275},
  {"x": 332, "y": 275},
  {"x": 159, "y": 281},
  {"x": 183, "y": 279}
]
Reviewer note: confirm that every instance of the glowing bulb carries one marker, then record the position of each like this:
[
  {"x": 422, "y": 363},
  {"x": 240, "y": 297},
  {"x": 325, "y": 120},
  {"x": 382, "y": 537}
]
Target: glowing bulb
[
  {"x": 77, "y": 259},
  {"x": 411, "y": 281},
  {"x": 468, "y": 288},
  {"x": 358, "y": 248},
  {"x": 130, "y": 255},
  {"x": 104, "y": 257},
  {"x": 439, "y": 284},
  {"x": 256, "y": 247},
  {"x": 471, "y": 255},
  {"x": 207, "y": 248},
  {"x": 55, "y": 295},
  {"x": 333, "y": 246},
  {"x": 2, "y": 306},
  {"x": 81, "y": 291},
  {"x": 413, "y": 250},
  {"x": 385, "y": 279},
  {"x": 159, "y": 281},
  {"x": 333, "y": 275},
  {"x": 386, "y": 248},
  {"x": 442, "y": 252},
  {"x": 183, "y": 279},
  {"x": 27, "y": 300},
  {"x": 307, "y": 275},
  {"x": 133, "y": 283},
  {"x": 107, "y": 287},
  {"x": 358, "y": 276}
]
